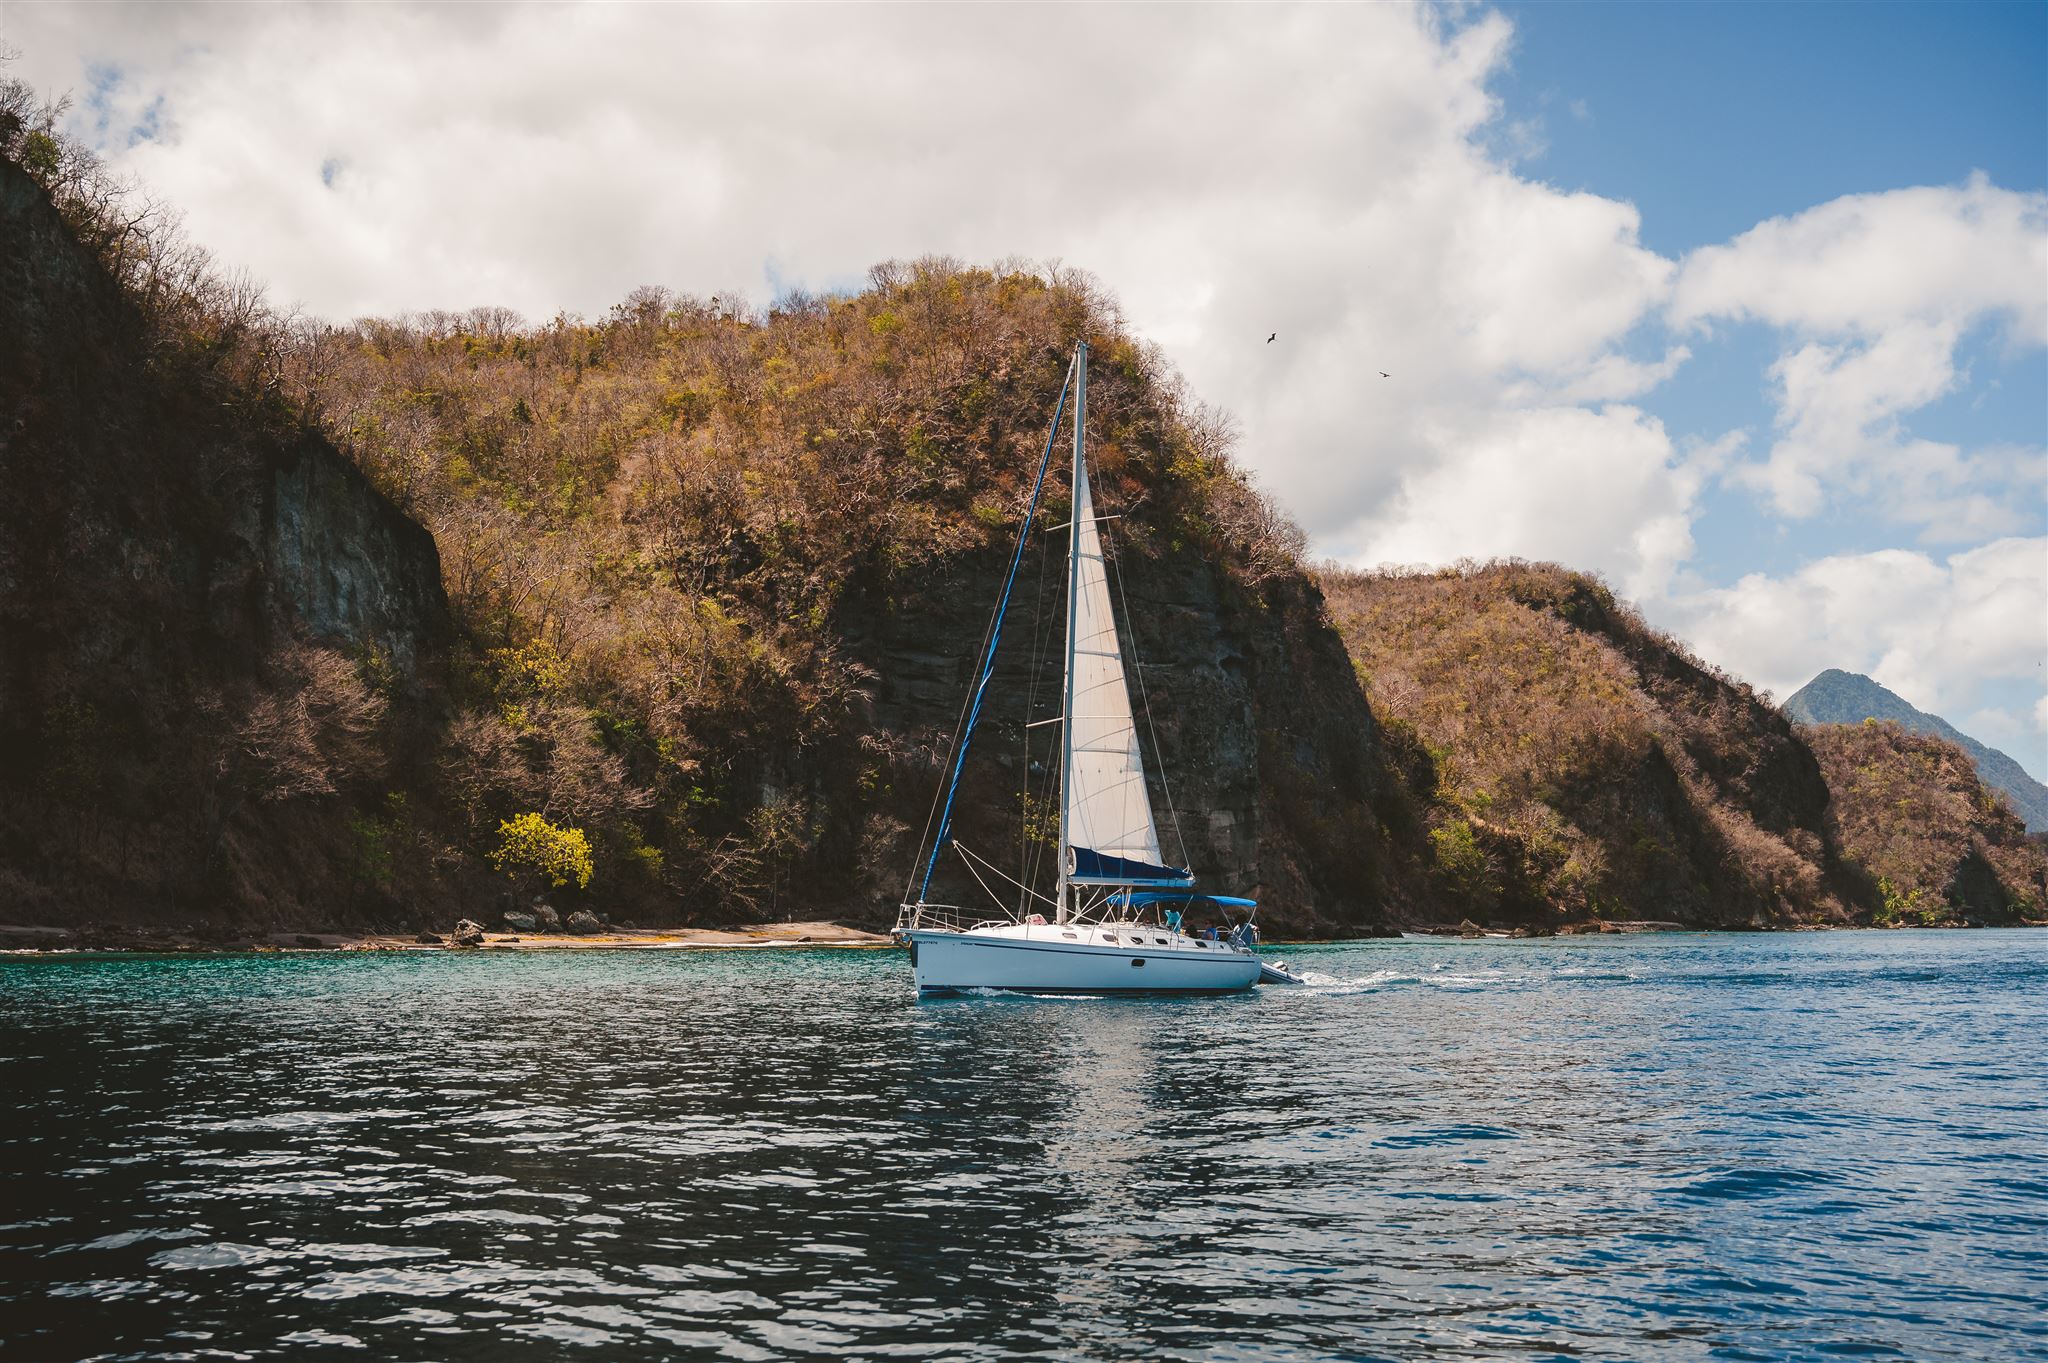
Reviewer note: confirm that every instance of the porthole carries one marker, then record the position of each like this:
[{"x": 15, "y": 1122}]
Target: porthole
[
  {"x": 1109, "y": 937},
  {"x": 1138, "y": 961}
]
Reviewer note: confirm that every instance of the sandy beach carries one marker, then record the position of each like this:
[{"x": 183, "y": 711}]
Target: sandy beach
[{"x": 18, "y": 939}]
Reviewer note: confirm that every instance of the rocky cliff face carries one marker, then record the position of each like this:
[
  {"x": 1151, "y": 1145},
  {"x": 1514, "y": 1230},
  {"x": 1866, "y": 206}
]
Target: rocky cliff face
[
  {"x": 1267, "y": 761},
  {"x": 176, "y": 557},
  {"x": 347, "y": 564},
  {"x": 223, "y": 695}
]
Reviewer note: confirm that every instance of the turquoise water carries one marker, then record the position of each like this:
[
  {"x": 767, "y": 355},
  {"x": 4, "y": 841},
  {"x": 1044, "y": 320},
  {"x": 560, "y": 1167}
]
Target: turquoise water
[{"x": 1739, "y": 1147}]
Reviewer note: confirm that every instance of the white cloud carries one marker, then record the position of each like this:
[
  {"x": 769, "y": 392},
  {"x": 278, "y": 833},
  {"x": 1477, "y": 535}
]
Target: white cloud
[
  {"x": 2013, "y": 732},
  {"x": 1866, "y": 263},
  {"x": 1839, "y": 409},
  {"x": 1329, "y": 173},
  {"x": 1598, "y": 489},
  {"x": 1941, "y": 632},
  {"x": 1322, "y": 172},
  {"x": 1877, "y": 291}
]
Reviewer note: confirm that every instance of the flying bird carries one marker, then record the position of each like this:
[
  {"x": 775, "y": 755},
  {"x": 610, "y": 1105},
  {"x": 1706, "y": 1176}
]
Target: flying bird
[
  {"x": 1385, "y": 375},
  {"x": 1270, "y": 339}
]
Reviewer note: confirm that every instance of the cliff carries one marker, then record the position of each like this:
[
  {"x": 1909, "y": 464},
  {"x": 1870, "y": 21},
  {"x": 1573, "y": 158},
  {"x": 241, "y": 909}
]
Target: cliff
[
  {"x": 190, "y": 583},
  {"x": 700, "y": 585},
  {"x": 1837, "y": 697}
]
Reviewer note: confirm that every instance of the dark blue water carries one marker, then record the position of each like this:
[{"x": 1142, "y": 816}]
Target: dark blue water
[{"x": 1739, "y": 1147}]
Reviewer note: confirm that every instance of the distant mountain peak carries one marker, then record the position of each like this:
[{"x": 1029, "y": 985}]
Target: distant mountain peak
[{"x": 1838, "y": 697}]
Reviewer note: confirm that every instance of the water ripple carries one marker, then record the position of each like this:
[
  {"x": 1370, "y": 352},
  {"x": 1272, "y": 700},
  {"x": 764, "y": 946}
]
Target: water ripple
[{"x": 1693, "y": 1147}]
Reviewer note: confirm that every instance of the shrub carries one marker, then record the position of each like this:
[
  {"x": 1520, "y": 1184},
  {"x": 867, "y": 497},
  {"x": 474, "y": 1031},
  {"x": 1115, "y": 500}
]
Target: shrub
[
  {"x": 1457, "y": 851},
  {"x": 529, "y": 842}
]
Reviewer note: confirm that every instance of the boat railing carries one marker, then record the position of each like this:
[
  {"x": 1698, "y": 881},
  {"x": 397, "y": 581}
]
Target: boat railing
[{"x": 950, "y": 917}]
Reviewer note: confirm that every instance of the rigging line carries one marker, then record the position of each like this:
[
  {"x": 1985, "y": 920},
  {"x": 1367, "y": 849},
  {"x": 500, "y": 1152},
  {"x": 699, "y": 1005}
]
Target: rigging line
[
  {"x": 1145, "y": 702},
  {"x": 1056, "y": 761},
  {"x": 961, "y": 725},
  {"x": 932, "y": 813},
  {"x": 959, "y": 721},
  {"x": 1024, "y": 860},
  {"x": 979, "y": 881},
  {"x": 994, "y": 869},
  {"x": 995, "y": 637}
]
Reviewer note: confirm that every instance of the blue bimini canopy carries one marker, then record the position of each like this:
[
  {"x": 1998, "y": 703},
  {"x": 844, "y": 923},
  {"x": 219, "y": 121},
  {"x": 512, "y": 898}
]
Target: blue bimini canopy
[
  {"x": 1088, "y": 866},
  {"x": 1144, "y": 897}
]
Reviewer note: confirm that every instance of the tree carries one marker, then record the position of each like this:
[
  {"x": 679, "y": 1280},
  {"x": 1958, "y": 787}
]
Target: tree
[{"x": 529, "y": 842}]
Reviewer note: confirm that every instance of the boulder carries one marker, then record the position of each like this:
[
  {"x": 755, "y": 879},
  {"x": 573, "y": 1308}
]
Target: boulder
[
  {"x": 428, "y": 939},
  {"x": 521, "y": 921},
  {"x": 468, "y": 933},
  {"x": 583, "y": 922},
  {"x": 544, "y": 915}
]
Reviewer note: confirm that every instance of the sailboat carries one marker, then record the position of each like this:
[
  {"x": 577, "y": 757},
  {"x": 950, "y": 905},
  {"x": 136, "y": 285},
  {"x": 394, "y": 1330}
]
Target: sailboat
[{"x": 1114, "y": 925}]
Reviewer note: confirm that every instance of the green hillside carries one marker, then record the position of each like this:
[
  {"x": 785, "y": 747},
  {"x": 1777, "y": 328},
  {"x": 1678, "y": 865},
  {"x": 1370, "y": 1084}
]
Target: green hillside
[{"x": 1837, "y": 697}]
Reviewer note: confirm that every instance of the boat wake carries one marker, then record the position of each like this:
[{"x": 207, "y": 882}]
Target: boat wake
[
  {"x": 1322, "y": 984},
  {"x": 1319, "y": 982}
]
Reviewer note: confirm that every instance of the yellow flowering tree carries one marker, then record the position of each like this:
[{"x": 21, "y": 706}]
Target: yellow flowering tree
[{"x": 530, "y": 842}]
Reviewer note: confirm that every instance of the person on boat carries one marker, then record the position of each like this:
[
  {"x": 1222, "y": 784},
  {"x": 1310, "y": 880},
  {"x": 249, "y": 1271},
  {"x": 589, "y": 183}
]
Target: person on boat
[{"x": 1173, "y": 920}]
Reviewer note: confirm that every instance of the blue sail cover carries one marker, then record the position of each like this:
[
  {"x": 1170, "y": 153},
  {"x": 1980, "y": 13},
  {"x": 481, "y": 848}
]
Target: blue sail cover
[
  {"x": 1144, "y": 897},
  {"x": 1087, "y": 865}
]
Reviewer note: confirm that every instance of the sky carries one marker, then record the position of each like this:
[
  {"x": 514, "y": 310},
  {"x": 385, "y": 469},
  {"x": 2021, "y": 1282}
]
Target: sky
[{"x": 1743, "y": 307}]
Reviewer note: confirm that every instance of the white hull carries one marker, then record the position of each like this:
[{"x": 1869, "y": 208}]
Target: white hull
[{"x": 1094, "y": 958}]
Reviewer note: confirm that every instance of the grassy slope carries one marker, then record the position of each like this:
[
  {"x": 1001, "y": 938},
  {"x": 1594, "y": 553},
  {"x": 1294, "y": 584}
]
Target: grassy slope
[
  {"x": 723, "y": 576},
  {"x": 1574, "y": 762},
  {"x": 1939, "y": 844},
  {"x": 1837, "y": 697}
]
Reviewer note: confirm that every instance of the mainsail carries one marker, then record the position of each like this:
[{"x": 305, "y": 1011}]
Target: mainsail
[{"x": 1109, "y": 832}]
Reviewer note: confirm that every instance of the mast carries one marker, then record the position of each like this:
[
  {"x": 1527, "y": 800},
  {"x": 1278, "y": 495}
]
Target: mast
[
  {"x": 972, "y": 709},
  {"x": 1073, "y": 586}
]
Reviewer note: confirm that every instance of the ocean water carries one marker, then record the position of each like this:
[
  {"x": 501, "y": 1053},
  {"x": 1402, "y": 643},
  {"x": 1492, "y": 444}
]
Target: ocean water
[{"x": 1685, "y": 1147}]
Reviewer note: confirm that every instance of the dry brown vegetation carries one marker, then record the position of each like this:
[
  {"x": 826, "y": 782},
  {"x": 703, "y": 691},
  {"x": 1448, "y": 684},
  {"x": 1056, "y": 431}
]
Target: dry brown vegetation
[
  {"x": 713, "y": 581},
  {"x": 1942, "y": 847},
  {"x": 1574, "y": 762},
  {"x": 650, "y": 527}
]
